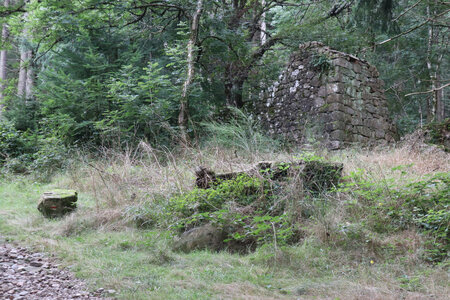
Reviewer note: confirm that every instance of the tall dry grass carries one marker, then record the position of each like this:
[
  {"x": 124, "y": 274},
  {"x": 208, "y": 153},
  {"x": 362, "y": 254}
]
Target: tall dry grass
[{"x": 120, "y": 180}]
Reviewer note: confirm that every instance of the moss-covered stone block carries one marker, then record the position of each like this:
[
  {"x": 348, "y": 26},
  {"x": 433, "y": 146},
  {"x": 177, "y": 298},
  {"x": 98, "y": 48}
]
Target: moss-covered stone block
[{"x": 57, "y": 203}]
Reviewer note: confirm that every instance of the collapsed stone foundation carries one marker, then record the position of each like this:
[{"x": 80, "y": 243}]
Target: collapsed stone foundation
[{"x": 329, "y": 97}]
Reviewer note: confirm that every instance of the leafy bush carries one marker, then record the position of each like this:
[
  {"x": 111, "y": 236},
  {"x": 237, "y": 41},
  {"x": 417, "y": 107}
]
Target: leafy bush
[
  {"x": 14, "y": 143},
  {"x": 246, "y": 208},
  {"x": 22, "y": 152},
  {"x": 423, "y": 204},
  {"x": 426, "y": 204},
  {"x": 52, "y": 155},
  {"x": 438, "y": 133},
  {"x": 143, "y": 104},
  {"x": 244, "y": 190}
]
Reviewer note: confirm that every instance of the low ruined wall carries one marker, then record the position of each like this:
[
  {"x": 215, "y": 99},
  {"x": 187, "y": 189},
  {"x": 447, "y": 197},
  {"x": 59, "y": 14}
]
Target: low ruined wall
[{"x": 329, "y": 97}]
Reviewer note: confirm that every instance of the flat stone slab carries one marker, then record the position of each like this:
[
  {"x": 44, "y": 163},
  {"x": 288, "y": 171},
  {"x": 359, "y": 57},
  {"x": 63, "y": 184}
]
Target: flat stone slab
[{"x": 57, "y": 203}]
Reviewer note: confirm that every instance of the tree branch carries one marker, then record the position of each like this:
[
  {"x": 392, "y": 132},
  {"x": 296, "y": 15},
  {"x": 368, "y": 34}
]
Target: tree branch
[
  {"x": 9, "y": 11},
  {"x": 139, "y": 18},
  {"x": 430, "y": 91},
  {"x": 220, "y": 40},
  {"x": 406, "y": 10},
  {"x": 263, "y": 49},
  {"x": 338, "y": 8},
  {"x": 413, "y": 28}
]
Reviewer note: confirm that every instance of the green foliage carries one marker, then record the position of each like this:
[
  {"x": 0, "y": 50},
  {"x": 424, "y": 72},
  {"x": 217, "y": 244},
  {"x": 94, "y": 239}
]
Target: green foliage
[
  {"x": 244, "y": 190},
  {"x": 143, "y": 105},
  {"x": 72, "y": 94},
  {"x": 410, "y": 283},
  {"x": 52, "y": 156},
  {"x": 14, "y": 143},
  {"x": 308, "y": 156},
  {"x": 424, "y": 204},
  {"x": 376, "y": 15},
  {"x": 438, "y": 133},
  {"x": 114, "y": 70},
  {"x": 321, "y": 63},
  {"x": 241, "y": 132},
  {"x": 318, "y": 176},
  {"x": 23, "y": 113},
  {"x": 23, "y": 152},
  {"x": 245, "y": 208}
]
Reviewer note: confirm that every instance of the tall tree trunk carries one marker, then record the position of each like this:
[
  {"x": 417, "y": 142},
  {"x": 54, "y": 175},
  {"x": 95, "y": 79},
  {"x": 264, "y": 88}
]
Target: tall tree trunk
[
  {"x": 263, "y": 24},
  {"x": 440, "y": 113},
  {"x": 22, "y": 83},
  {"x": 435, "y": 100},
  {"x": 26, "y": 73},
  {"x": 236, "y": 72},
  {"x": 3, "y": 61},
  {"x": 183, "y": 115},
  {"x": 29, "y": 83}
]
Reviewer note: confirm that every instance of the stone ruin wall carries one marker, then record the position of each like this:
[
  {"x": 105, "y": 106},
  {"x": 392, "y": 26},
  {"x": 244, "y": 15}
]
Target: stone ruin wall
[{"x": 329, "y": 97}]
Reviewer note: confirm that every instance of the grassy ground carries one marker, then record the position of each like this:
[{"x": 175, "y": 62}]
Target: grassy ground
[{"x": 100, "y": 242}]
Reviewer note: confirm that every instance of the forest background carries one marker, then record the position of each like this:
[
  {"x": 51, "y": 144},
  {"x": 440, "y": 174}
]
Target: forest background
[{"x": 112, "y": 73}]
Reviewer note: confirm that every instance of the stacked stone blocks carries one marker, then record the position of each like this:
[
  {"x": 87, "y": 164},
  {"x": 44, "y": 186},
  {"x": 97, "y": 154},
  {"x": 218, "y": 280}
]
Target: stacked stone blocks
[{"x": 329, "y": 97}]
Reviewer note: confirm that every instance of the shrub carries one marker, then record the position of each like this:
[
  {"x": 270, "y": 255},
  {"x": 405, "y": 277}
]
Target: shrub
[
  {"x": 244, "y": 190},
  {"x": 423, "y": 204},
  {"x": 52, "y": 155},
  {"x": 438, "y": 133},
  {"x": 14, "y": 143},
  {"x": 22, "y": 152},
  {"x": 246, "y": 208}
]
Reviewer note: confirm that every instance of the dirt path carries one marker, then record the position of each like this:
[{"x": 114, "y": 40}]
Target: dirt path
[{"x": 28, "y": 275}]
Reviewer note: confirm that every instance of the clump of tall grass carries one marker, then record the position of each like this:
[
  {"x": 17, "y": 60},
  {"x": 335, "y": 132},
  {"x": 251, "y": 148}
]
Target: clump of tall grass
[{"x": 241, "y": 133}]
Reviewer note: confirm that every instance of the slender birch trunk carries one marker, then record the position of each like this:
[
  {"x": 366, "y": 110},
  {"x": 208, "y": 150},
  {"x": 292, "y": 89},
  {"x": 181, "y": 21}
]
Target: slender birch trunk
[
  {"x": 183, "y": 115},
  {"x": 263, "y": 24},
  {"x": 3, "y": 61},
  {"x": 440, "y": 114},
  {"x": 21, "y": 85},
  {"x": 29, "y": 82}
]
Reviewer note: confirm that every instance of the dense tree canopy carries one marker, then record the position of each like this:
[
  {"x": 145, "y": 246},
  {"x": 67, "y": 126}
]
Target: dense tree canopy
[{"x": 92, "y": 71}]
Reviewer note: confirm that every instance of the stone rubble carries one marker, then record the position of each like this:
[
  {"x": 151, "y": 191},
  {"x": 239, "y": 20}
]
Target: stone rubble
[{"x": 27, "y": 275}]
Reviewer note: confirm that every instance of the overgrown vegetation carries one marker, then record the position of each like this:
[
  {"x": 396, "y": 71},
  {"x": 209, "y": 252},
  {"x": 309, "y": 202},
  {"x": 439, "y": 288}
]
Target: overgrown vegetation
[
  {"x": 113, "y": 74},
  {"x": 423, "y": 204},
  {"x": 240, "y": 132},
  {"x": 321, "y": 62},
  {"x": 439, "y": 133},
  {"x": 30, "y": 152},
  {"x": 90, "y": 98},
  {"x": 246, "y": 208},
  {"x": 384, "y": 229}
]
